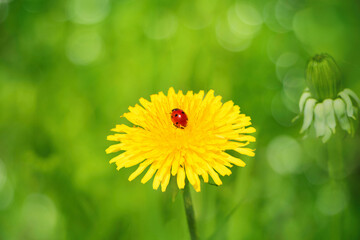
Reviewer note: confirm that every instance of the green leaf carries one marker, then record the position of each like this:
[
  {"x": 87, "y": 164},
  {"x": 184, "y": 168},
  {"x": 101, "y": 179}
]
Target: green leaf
[
  {"x": 349, "y": 107},
  {"x": 340, "y": 112},
  {"x": 295, "y": 118},
  {"x": 219, "y": 229},
  {"x": 329, "y": 114},
  {"x": 308, "y": 114}
]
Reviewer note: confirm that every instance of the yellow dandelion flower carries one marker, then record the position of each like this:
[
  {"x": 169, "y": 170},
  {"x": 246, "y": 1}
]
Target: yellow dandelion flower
[{"x": 195, "y": 150}]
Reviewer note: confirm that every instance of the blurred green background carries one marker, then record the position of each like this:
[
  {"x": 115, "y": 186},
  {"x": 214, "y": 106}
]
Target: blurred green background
[{"x": 69, "y": 69}]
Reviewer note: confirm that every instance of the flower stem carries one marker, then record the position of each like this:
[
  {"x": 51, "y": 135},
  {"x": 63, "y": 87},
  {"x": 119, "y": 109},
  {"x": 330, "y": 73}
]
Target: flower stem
[
  {"x": 189, "y": 210},
  {"x": 335, "y": 168}
]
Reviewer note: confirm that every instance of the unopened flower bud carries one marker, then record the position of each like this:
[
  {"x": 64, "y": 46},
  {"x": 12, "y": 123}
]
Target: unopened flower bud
[{"x": 323, "y": 77}]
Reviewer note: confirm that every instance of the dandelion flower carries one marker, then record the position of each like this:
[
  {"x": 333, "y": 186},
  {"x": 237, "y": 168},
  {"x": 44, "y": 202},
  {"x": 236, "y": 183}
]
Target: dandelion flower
[
  {"x": 324, "y": 104},
  {"x": 199, "y": 149}
]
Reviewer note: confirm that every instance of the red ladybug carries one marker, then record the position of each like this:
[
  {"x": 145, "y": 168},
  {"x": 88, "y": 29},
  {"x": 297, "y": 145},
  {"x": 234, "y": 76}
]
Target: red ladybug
[{"x": 179, "y": 118}]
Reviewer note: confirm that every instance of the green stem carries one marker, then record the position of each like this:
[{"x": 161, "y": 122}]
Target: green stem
[
  {"x": 335, "y": 159},
  {"x": 189, "y": 210},
  {"x": 335, "y": 167}
]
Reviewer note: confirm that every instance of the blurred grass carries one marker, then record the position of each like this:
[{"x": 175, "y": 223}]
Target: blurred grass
[{"x": 69, "y": 69}]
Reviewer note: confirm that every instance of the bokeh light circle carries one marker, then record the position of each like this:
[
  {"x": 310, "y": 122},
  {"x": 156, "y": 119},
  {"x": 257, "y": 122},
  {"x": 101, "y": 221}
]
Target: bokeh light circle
[
  {"x": 4, "y": 10},
  {"x": 84, "y": 47},
  {"x": 160, "y": 25},
  {"x": 287, "y": 59},
  {"x": 244, "y": 20},
  {"x": 197, "y": 14},
  {"x": 323, "y": 34},
  {"x": 6, "y": 195},
  {"x": 331, "y": 199},
  {"x": 269, "y": 13},
  {"x": 88, "y": 11},
  {"x": 284, "y": 155},
  {"x": 228, "y": 39},
  {"x": 39, "y": 216},
  {"x": 248, "y": 14},
  {"x": 285, "y": 11},
  {"x": 280, "y": 111}
]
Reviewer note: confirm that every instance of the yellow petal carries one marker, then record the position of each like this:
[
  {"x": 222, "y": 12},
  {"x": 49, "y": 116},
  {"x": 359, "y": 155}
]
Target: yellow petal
[
  {"x": 115, "y": 137},
  {"x": 176, "y": 163},
  {"x": 140, "y": 169},
  {"x": 165, "y": 181},
  {"x": 236, "y": 161},
  {"x": 247, "y": 138},
  {"x": 221, "y": 169},
  {"x": 156, "y": 182},
  {"x": 214, "y": 176},
  {"x": 181, "y": 178},
  {"x": 197, "y": 186},
  {"x": 117, "y": 158},
  {"x": 190, "y": 175},
  {"x": 205, "y": 177},
  {"x": 133, "y": 161},
  {"x": 247, "y": 130},
  {"x": 148, "y": 174},
  {"x": 115, "y": 148},
  {"x": 121, "y": 128},
  {"x": 245, "y": 151}
]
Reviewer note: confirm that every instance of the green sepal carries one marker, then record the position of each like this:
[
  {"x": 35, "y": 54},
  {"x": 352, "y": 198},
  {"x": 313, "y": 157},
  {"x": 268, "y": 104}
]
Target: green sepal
[
  {"x": 303, "y": 99},
  {"x": 319, "y": 122},
  {"x": 327, "y": 135},
  {"x": 329, "y": 114},
  {"x": 356, "y": 111},
  {"x": 349, "y": 106},
  {"x": 353, "y": 95},
  {"x": 340, "y": 112},
  {"x": 308, "y": 114}
]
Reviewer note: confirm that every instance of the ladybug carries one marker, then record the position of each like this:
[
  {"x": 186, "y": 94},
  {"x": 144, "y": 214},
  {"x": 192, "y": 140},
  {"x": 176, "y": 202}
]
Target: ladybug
[{"x": 179, "y": 118}]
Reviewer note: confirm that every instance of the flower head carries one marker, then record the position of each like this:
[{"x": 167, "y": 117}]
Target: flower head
[
  {"x": 154, "y": 142},
  {"x": 323, "y": 77},
  {"x": 324, "y": 103}
]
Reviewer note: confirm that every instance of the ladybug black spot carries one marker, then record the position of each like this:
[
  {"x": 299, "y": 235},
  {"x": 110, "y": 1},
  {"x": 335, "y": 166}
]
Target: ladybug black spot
[
  {"x": 182, "y": 112},
  {"x": 177, "y": 123},
  {"x": 176, "y": 115}
]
